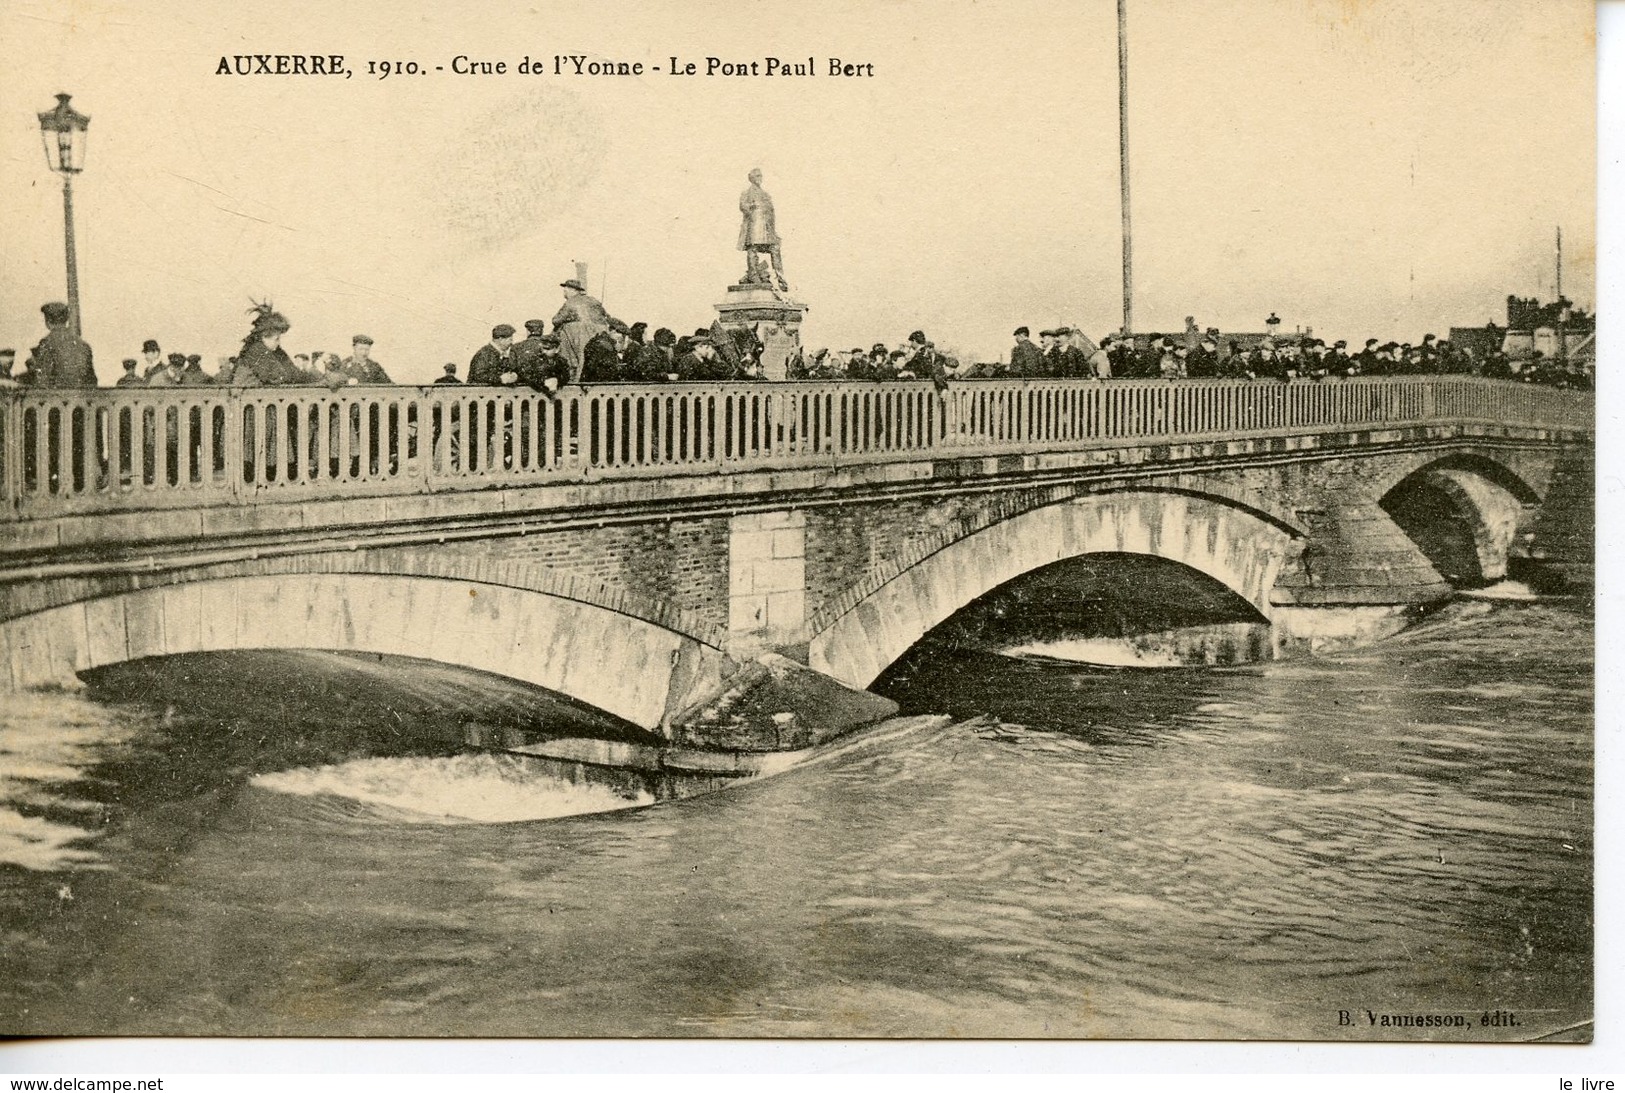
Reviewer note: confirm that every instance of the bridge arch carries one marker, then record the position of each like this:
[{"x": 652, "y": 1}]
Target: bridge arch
[
  {"x": 1236, "y": 547},
  {"x": 626, "y": 666},
  {"x": 1464, "y": 513}
]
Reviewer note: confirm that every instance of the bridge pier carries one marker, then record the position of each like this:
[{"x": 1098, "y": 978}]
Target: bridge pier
[{"x": 767, "y": 582}]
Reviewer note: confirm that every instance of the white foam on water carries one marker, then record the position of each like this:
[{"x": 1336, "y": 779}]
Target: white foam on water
[
  {"x": 1106, "y": 652},
  {"x": 486, "y": 789},
  {"x": 41, "y": 845},
  {"x": 1504, "y": 590}
]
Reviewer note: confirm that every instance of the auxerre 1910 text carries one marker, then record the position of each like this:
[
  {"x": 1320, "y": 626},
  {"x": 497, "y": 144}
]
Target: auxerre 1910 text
[{"x": 559, "y": 64}]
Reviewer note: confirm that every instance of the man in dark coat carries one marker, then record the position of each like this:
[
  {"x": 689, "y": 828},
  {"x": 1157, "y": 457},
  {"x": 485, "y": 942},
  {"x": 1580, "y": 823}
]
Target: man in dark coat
[
  {"x": 61, "y": 359},
  {"x": 601, "y": 358},
  {"x": 654, "y": 363},
  {"x": 153, "y": 356},
  {"x": 1203, "y": 361},
  {"x": 448, "y": 375},
  {"x": 1366, "y": 359},
  {"x": 1026, "y": 359},
  {"x": 1074, "y": 358},
  {"x": 925, "y": 362},
  {"x": 545, "y": 369},
  {"x": 493, "y": 363},
  {"x": 172, "y": 374},
  {"x": 131, "y": 377},
  {"x": 360, "y": 366},
  {"x": 701, "y": 363},
  {"x": 1054, "y": 357},
  {"x": 527, "y": 354}
]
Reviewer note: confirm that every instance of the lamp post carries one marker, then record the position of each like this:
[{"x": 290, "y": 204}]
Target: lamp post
[
  {"x": 1122, "y": 158},
  {"x": 63, "y": 130}
]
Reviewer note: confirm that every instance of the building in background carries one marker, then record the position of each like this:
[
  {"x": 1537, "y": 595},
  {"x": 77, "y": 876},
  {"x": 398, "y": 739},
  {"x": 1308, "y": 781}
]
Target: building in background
[{"x": 1532, "y": 326}]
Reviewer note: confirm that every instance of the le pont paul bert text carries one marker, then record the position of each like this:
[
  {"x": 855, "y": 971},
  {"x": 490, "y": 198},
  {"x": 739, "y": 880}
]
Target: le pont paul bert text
[{"x": 558, "y": 64}]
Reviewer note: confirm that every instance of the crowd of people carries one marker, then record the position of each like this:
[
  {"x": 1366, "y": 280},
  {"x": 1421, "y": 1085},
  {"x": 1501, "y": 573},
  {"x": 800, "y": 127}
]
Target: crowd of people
[
  {"x": 1067, "y": 353},
  {"x": 588, "y": 346}
]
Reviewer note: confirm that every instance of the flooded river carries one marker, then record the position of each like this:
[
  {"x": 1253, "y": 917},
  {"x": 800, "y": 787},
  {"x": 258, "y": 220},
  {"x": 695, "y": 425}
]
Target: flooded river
[{"x": 1035, "y": 848}]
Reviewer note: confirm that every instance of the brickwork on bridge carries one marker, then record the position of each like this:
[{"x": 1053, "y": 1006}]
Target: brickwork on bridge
[{"x": 674, "y": 569}]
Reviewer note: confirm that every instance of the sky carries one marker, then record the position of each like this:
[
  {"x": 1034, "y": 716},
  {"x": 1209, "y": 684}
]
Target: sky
[{"x": 1361, "y": 167}]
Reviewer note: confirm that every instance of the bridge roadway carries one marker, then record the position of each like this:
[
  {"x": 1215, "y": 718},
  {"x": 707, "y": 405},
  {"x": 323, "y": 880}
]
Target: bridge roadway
[{"x": 637, "y": 549}]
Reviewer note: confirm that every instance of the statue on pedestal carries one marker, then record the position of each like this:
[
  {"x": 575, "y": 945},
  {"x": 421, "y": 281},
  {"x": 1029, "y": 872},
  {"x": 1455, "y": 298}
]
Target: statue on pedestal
[{"x": 758, "y": 238}]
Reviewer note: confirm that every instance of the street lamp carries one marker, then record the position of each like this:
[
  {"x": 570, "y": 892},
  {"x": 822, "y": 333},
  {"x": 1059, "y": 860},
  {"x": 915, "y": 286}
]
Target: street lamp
[{"x": 63, "y": 130}]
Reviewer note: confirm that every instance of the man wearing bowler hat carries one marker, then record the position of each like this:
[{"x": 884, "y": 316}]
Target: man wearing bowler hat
[
  {"x": 581, "y": 319},
  {"x": 61, "y": 359},
  {"x": 152, "y": 356}
]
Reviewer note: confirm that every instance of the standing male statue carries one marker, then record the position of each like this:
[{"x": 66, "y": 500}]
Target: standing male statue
[{"x": 757, "y": 236}]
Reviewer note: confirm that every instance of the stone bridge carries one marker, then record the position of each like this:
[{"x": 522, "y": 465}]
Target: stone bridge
[{"x": 637, "y": 549}]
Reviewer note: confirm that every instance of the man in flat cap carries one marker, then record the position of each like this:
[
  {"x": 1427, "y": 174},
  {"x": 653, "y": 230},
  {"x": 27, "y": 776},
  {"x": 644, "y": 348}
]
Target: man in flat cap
[
  {"x": 581, "y": 319},
  {"x": 493, "y": 363},
  {"x": 360, "y": 366},
  {"x": 448, "y": 375},
  {"x": 529, "y": 350},
  {"x": 549, "y": 371},
  {"x": 1077, "y": 354},
  {"x": 601, "y": 357},
  {"x": 1026, "y": 359},
  {"x": 62, "y": 358},
  {"x": 655, "y": 362},
  {"x": 171, "y": 374},
  {"x": 131, "y": 377}
]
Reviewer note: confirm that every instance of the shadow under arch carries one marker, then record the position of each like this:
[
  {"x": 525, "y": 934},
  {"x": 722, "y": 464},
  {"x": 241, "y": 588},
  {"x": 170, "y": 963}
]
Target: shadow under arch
[
  {"x": 1237, "y": 548},
  {"x": 1464, "y": 513}
]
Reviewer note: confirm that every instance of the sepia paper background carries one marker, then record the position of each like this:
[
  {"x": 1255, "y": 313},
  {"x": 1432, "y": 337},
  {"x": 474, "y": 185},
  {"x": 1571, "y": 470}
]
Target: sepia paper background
[
  {"x": 1358, "y": 166},
  {"x": 1362, "y": 167}
]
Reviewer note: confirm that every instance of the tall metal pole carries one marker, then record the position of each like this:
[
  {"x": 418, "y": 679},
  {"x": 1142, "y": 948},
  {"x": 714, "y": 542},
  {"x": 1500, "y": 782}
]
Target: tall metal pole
[
  {"x": 1562, "y": 312},
  {"x": 73, "y": 263},
  {"x": 1122, "y": 138}
]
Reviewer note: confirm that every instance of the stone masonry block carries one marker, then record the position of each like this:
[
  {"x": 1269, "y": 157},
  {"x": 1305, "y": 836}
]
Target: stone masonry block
[
  {"x": 784, "y": 518},
  {"x": 790, "y": 543},
  {"x": 746, "y": 613},
  {"x": 786, "y": 611},
  {"x": 749, "y": 546},
  {"x": 784, "y": 575}
]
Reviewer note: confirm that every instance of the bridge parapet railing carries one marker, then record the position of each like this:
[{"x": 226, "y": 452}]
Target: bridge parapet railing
[{"x": 69, "y": 451}]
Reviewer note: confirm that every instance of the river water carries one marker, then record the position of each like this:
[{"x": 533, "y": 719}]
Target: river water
[{"x": 1036, "y": 848}]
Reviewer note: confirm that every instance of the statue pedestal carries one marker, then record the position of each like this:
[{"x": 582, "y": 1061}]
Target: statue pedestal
[{"x": 772, "y": 316}]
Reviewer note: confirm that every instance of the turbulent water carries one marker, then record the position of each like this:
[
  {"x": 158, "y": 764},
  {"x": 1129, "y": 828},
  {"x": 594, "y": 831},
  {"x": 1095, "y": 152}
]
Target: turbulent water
[{"x": 1269, "y": 851}]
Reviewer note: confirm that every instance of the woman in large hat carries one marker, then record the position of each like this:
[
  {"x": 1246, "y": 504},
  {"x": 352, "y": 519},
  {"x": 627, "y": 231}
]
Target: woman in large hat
[{"x": 262, "y": 360}]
